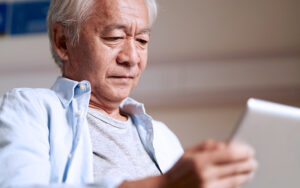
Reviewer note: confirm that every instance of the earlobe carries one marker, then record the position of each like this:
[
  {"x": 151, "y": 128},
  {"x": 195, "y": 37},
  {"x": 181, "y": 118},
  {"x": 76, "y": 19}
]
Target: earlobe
[{"x": 59, "y": 40}]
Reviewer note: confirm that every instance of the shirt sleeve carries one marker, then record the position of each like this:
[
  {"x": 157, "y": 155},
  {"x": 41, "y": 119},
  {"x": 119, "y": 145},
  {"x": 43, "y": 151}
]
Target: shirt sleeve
[
  {"x": 24, "y": 145},
  {"x": 167, "y": 146}
]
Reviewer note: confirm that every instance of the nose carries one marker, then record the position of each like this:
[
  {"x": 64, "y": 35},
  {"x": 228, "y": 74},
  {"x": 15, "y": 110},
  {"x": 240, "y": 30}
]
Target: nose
[{"x": 128, "y": 54}]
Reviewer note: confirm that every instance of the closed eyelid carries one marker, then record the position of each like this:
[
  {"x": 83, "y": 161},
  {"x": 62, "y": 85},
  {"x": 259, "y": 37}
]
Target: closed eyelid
[
  {"x": 109, "y": 28},
  {"x": 146, "y": 31},
  {"x": 112, "y": 38},
  {"x": 143, "y": 36}
]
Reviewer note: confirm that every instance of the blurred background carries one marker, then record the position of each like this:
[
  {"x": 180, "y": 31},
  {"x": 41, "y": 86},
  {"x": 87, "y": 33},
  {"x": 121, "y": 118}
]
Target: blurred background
[{"x": 206, "y": 59}]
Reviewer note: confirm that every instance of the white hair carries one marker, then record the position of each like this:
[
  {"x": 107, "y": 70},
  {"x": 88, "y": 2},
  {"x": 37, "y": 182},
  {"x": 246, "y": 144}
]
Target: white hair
[{"x": 72, "y": 13}]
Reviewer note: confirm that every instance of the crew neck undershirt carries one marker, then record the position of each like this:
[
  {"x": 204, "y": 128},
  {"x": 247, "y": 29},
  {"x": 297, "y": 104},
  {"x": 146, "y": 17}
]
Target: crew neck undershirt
[{"x": 117, "y": 148}]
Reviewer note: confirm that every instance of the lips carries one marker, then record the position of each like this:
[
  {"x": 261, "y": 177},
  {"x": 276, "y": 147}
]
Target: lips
[{"x": 121, "y": 76}]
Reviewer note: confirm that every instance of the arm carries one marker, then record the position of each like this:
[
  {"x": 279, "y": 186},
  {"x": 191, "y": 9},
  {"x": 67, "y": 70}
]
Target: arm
[{"x": 24, "y": 146}]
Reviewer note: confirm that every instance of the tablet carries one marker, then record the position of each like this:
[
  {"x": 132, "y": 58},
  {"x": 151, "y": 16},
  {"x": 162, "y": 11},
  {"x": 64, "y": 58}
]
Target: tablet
[{"x": 274, "y": 131}]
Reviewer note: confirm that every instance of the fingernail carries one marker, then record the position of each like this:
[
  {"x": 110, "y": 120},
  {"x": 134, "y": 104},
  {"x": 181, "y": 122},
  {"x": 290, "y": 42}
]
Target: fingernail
[{"x": 251, "y": 151}]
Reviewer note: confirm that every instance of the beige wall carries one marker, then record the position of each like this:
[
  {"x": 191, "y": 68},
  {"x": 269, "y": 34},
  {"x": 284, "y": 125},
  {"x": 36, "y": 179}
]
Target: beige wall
[{"x": 198, "y": 29}]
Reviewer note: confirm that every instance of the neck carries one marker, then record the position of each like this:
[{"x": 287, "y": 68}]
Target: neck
[{"x": 108, "y": 108}]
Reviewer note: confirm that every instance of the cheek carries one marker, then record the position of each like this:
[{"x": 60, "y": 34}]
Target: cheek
[
  {"x": 81, "y": 57},
  {"x": 101, "y": 59},
  {"x": 144, "y": 59}
]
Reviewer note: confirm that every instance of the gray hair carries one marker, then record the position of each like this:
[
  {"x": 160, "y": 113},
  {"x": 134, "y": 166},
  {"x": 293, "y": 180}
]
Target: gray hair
[{"x": 72, "y": 13}]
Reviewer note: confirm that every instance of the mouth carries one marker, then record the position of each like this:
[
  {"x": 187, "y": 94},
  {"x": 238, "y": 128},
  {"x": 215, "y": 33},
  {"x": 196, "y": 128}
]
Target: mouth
[{"x": 121, "y": 77}]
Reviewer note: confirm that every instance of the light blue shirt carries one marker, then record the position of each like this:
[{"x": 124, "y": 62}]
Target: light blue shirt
[{"x": 44, "y": 137}]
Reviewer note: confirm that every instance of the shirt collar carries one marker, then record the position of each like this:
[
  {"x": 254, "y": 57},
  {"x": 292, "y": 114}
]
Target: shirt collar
[
  {"x": 131, "y": 106},
  {"x": 67, "y": 89}
]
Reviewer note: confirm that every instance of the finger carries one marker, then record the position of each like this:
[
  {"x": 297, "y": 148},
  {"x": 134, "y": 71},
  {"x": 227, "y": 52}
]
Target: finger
[
  {"x": 210, "y": 145},
  {"x": 206, "y": 145},
  {"x": 231, "y": 181},
  {"x": 232, "y": 153},
  {"x": 245, "y": 167}
]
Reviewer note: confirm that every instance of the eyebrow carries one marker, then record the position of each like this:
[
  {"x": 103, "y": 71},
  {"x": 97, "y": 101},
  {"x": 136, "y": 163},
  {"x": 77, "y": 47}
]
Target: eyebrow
[{"x": 111, "y": 27}]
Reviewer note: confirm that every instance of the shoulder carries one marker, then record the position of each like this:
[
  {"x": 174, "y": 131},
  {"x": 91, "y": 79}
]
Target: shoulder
[
  {"x": 161, "y": 131},
  {"x": 30, "y": 91},
  {"x": 167, "y": 146},
  {"x": 162, "y": 128},
  {"x": 23, "y": 95},
  {"x": 26, "y": 101}
]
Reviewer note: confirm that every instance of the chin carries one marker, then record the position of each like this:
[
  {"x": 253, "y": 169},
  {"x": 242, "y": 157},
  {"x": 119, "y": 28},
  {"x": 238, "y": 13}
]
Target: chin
[{"x": 120, "y": 95}]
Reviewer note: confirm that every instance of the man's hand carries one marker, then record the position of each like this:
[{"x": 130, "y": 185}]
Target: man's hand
[{"x": 211, "y": 164}]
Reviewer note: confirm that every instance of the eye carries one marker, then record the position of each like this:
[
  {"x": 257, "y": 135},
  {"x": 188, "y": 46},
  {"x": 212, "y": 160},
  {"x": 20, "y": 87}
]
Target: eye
[
  {"x": 112, "y": 38},
  {"x": 142, "y": 41}
]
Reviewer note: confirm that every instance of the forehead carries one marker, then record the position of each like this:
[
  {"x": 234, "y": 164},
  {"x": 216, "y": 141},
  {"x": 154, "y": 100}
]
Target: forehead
[{"x": 107, "y": 11}]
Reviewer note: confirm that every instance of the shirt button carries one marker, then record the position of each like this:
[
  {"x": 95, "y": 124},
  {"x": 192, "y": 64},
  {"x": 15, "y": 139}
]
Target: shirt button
[
  {"x": 79, "y": 112},
  {"x": 82, "y": 87},
  {"x": 70, "y": 156}
]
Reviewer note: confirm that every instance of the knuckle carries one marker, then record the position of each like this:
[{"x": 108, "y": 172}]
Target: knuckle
[
  {"x": 212, "y": 145},
  {"x": 231, "y": 153},
  {"x": 235, "y": 182},
  {"x": 221, "y": 145},
  {"x": 207, "y": 144},
  {"x": 203, "y": 175},
  {"x": 194, "y": 162},
  {"x": 205, "y": 185},
  {"x": 235, "y": 169},
  {"x": 201, "y": 168}
]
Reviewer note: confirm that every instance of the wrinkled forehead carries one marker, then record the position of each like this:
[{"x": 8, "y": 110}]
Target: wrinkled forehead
[{"x": 116, "y": 10}]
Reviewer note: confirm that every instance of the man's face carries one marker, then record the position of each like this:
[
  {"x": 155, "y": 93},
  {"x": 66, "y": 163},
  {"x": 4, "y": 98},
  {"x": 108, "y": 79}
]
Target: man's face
[{"x": 112, "y": 49}]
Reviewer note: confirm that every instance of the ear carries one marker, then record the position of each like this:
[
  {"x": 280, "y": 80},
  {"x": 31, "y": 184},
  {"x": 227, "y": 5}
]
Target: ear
[{"x": 59, "y": 40}]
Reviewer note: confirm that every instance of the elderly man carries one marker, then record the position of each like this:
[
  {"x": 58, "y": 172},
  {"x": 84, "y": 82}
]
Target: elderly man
[{"x": 85, "y": 130}]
